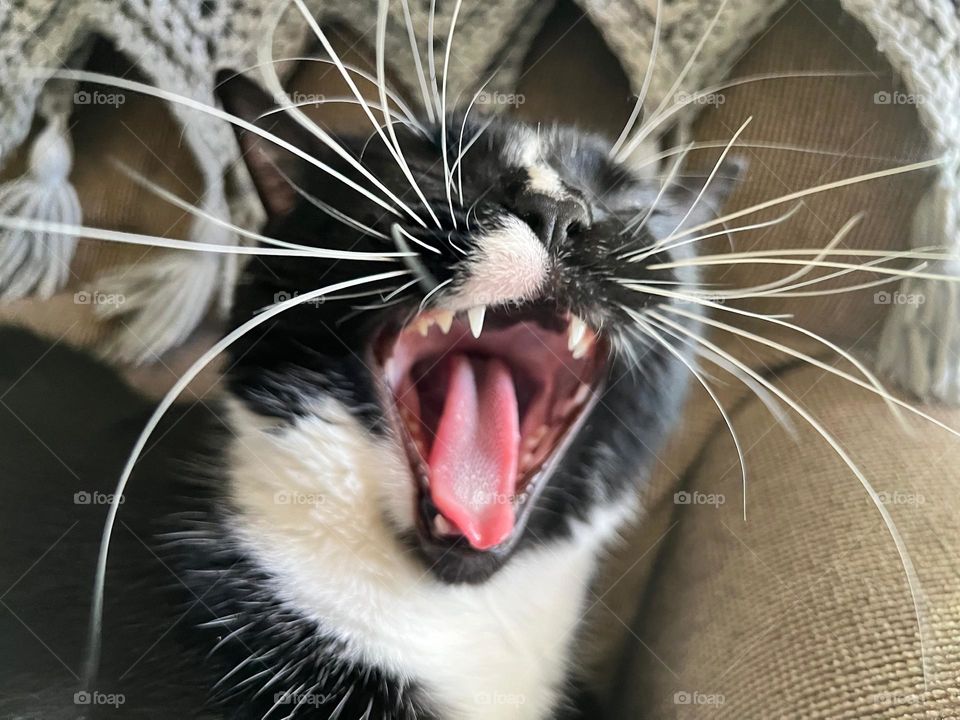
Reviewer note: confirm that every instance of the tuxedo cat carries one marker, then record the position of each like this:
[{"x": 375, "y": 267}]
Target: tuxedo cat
[
  {"x": 398, "y": 506},
  {"x": 419, "y": 489}
]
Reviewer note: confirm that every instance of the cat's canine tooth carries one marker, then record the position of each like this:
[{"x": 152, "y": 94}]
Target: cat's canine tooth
[
  {"x": 444, "y": 319},
  {"x": 475, "y": 316},
  {"x": 581, "y": 348},
  {"x": 575, "y": 332},
  {"x": 442, "y": 526}
]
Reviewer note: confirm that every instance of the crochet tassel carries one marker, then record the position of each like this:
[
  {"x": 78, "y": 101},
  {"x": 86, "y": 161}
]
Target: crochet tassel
[
  {"x": 162, "y": 302},
  {"x": 39, "y": 262},
  {"x": 920, "y": 345}
]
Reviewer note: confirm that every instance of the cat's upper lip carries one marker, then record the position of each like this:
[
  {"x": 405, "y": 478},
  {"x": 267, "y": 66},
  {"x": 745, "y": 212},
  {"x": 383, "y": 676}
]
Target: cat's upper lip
[{"x": 551, "y": 365}]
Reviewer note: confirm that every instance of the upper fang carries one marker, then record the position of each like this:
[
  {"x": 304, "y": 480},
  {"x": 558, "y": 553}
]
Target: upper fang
[
  {"x": 444, "y": 319},
  {"x": 475, "y": 316},
  {"x": 575, "y": 332}
]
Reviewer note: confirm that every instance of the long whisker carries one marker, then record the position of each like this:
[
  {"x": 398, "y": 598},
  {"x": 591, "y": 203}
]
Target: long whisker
[
  {"x": 806, "y": 192},
  {"x": 415, "y": 51},
  {"x": 359, "y": 72},
  {"x": 411, "y": 259},
  {"x": 905, "y": 559},
  {"x": 713, "y": 174},
  {"x": 875, "y": 383},
  {"x": 870, "y": 387},
  {"x": 645, "y": 217},
  {"x": 638, "y": 318},
  {"x": 273, "y": 84},
  {"x": 647, "y": 126},
  {"x": 329, "y": 209},
  {"x": 395, "y": 116},
  {"x": 394, "y": 149},
  {"x": 443, "y": 109},
  {"x": 755, "y": 145},
  {"x": 179, "y": 202},
  {"x": 643, "y": 254},
  {"x": 431, "y": 59},
  {"x": 92, "y": 655},
  {"x": 645, "y": 86},
  {"x": 460, "y": 150},
  {"x": 660, "y": 115},
  {"x": 138, "y": 87},
  {"x": 823, "y": 263},
  {"x": 17, "y": 223}
]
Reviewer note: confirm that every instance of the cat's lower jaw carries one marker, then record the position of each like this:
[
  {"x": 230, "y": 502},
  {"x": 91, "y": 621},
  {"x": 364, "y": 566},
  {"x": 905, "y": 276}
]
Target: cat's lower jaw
[{"x": 317, "y": 508}]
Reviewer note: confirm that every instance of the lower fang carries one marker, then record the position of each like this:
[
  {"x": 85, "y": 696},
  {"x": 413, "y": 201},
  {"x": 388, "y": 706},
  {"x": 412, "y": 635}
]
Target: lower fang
[{"x": 442, "y": 526}]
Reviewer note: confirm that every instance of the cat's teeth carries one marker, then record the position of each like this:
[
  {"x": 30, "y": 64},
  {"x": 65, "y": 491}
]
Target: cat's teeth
[
  {"x": 575, "y": 332},
  {"x": 444, "y": 319},
  {"x": 581, "y": 347},
  {"x": 442, "y": 526},
  {"x": 475, "y": 316}
]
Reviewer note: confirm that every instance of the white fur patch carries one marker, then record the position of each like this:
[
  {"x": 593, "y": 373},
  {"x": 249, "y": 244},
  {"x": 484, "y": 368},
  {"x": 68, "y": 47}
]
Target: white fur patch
[
  {"x": 546, "y": 181},
  {"x": 312, "y": 502},
  {"x": 509, "y": 264}
]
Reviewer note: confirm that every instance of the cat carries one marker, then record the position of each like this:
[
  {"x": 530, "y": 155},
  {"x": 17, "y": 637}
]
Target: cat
[
  {"x": 398, "y": 506},
  {"x": 419, "y": 491}
]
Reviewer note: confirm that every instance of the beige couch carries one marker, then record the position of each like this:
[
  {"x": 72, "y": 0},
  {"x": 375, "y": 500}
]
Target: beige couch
[{"x": 802, "y": 610}]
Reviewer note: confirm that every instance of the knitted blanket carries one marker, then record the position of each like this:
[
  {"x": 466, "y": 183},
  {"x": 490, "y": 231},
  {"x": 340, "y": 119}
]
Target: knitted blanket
[{"x": 179, "y": 45}]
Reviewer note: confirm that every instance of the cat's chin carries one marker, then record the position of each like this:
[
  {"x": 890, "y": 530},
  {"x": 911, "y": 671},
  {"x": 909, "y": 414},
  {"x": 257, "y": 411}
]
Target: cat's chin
[{"x": 485, "y": 412}]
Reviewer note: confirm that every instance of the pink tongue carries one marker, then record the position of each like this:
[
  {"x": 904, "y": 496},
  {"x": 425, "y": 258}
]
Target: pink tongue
[{"x": 473, "y": 462}]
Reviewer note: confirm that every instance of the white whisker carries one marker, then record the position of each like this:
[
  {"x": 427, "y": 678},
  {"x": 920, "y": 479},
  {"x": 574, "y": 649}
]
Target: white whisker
[
  {"x": 424, "y": 92},
  {"x": 713, "y": 174},
  {"x": 637, "y": 317},
  {"x": 443, "y": 110},
  {"x": 92, "y": 655},
  {"x": 359, "y": 72},
  {"x": 438, "y": 288},
  {"x": 789, "y": 197},
  {"x": 394, "y": 149},
  {"x": 874, "y": 382},
  {"x": 905, "y": 559},
  {"x": 179, "y": 202},
  {"x": 645, "y": 85},
  {"x": 411, "y": 259},
  {"x": 431, "y": 59},
  {"x": 755, "y": 145},
  {"x": 647, "y": 126},
  {"x": 661, "y": 115},
  {"x": 138, "y": 87},
  {"x": 645, "y": 217},
  {"x": 16, "y": 223},
  {"x": 643, "y": 254}
]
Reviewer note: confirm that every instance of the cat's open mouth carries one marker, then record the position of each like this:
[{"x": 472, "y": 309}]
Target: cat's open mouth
[{"x": 486, "y": 406}]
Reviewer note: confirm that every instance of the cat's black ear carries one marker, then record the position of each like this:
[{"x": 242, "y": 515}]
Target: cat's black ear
[{"x": 271, "y": 166}]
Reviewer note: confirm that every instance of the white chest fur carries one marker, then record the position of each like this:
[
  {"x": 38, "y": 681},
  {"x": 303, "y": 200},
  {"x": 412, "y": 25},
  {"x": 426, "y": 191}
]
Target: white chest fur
[{"x": 311, "y": 511}]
